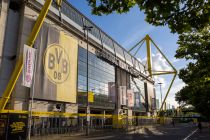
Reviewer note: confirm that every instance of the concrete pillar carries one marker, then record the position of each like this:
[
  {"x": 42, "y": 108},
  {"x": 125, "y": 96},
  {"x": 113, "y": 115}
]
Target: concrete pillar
[
  {"x": 3, "y": 21},
  {"x": 103, "y": 119},
  {"x": 121, "y": 80}
]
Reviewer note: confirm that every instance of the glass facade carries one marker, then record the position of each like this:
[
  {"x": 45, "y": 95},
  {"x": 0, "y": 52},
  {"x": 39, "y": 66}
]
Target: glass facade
[
  {"x": 138, "y": 88},
  {"x": 101, "y": 77}
]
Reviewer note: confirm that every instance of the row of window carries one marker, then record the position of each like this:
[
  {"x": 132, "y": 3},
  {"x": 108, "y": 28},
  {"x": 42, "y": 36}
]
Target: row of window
[
  {"x": 94, "y": 61},
  {"x": 100, "y": 74},
  {"x": 95, "y": 73}
]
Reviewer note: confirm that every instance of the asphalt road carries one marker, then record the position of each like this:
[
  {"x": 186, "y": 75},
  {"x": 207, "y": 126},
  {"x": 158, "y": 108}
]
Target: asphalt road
[{"x": 179, "y": 132}]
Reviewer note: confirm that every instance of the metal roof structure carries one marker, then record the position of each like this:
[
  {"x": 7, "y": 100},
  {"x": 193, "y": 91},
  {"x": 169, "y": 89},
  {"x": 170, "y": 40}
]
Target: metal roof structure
[{"x": 78, "y": 20}]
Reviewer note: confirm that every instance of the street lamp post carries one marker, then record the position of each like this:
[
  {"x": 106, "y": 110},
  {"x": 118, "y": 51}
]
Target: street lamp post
[
  {"x": 160, "y": 93},
  {"x": 87, "y": 28}
]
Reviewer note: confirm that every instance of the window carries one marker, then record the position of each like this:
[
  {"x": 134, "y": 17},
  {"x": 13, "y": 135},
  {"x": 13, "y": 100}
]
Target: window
[
  {"x": 108, "y": 42},
  {"x": 100, "y": 75},
  {"x": 128, "y": 58},
  {"x": 119, "y": 51},
  {"x": 138, "y": 87}
]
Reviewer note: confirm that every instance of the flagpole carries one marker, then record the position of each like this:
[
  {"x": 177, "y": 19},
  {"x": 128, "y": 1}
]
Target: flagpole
[{"x": 32, "y": 98}]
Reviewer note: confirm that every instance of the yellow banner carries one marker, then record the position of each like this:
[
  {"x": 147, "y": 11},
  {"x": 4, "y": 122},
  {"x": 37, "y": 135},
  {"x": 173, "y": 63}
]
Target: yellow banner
[
  {"x": 67, "y": 90},
  {"x": 56, "y": 79},
  {"x": 90, "y": 97}
]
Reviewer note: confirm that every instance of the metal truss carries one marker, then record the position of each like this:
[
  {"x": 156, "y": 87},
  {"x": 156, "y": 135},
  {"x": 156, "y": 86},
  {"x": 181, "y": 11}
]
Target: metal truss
[{"x": 149, "y": 62}]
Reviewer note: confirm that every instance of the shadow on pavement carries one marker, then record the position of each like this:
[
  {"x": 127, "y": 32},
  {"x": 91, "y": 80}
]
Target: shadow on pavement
[{"x": 167, "y": 132}]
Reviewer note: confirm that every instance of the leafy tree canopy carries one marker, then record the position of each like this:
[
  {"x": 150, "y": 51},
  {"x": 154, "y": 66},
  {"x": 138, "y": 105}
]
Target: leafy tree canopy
[
  {"x": 195, "y": 46},
  {"x": 179, "y": 15}
]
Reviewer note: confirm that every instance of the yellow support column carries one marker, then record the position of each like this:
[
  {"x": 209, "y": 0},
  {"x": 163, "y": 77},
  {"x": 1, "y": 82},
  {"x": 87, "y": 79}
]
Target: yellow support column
[
  {"x": 59, "y": 2},
  {"x": 149, "y": 62},
  {"x": 18, "y": 68},
  {"x": 175, "y": 73}
]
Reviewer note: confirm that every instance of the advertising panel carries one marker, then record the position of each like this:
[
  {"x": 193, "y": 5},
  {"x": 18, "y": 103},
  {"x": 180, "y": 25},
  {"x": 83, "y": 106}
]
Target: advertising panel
[
  {"x": 111, "y": 87},
  {"x": 130, "y": 96},
  {"x": 56, "y": 73},
  {"x": 137, "y": 99},
  {"x": 28, "y": 65},
  {"x": 153, "y": 103},
  {"x": 122, "y": 93},
  {"x": 17, "y": 127},
  {"x": 150, "y": 93}
]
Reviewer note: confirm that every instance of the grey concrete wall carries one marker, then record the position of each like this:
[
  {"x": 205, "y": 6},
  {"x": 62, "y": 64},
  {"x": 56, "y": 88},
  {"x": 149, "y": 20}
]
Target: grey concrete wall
[
  {"x": 3, "y": 20},
  {"x": 121, "y": 80},
  {"x": 9, "y": 43},
  {"x": 9, "y": 49}
]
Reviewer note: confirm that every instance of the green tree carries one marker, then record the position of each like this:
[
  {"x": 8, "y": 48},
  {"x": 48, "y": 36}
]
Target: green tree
[
  {"x": 179, "y": 15},
  {"x": 195, "y": 46}
]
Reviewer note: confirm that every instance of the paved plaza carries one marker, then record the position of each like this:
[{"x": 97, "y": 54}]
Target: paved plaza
[{"x": 168, "y": 132}]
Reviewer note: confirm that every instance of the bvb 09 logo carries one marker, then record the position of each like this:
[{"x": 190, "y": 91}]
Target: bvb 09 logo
[{"x": 56, "y": 63}]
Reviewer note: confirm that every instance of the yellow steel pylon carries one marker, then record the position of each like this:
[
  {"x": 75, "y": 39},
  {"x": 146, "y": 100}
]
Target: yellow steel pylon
[{"x": 149, "y": 62}]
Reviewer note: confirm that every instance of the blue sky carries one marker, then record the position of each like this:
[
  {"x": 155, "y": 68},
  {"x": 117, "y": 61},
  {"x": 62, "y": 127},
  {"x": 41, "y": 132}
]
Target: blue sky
[{"x": 127, "y": 29}]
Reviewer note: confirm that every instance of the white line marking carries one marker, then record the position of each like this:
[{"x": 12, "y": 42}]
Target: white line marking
[{"x": 186, "y": 138}]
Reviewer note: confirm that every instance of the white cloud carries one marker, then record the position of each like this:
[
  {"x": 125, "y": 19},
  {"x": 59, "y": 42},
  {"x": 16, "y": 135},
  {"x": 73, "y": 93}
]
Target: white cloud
[
  {"x": 161, "y": 80},
  {"x": 159, "y": 63},
  {"x": 143, "y": 61},
  {"x": 177, "y": 85},
  {"x": 174, "y": 60},
  {"x": 175, "y": 88}
]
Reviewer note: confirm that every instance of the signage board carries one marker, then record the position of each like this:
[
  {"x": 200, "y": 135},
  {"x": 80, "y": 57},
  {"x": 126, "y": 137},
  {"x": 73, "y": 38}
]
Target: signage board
[
  {"x": 112, "y": 91},
  {"x": 153, "y": 103},
  {"x": 13, "y": 126},
  {"x": 122, "y": 93},
  {"x": 29, "y": 55},
  {"x": 130, "y": 96},
  {"x": 56, "y": 72},
  {"x": 137, "y": 99},
  {"x": 111, "y": 58}
]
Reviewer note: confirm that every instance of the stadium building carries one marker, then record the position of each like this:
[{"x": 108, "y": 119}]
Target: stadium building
[{"x": 70, "y": 48}]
